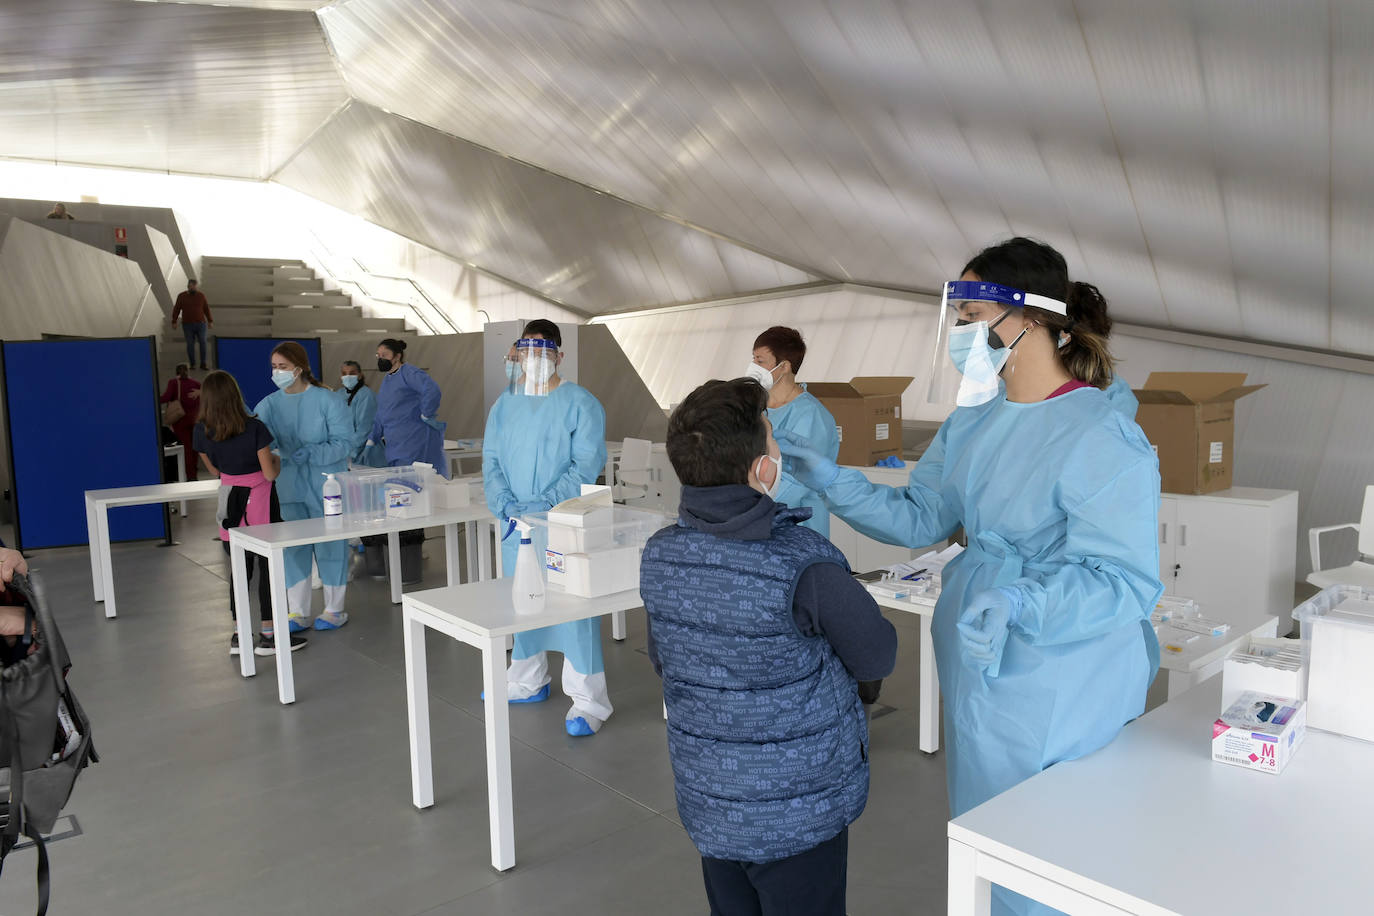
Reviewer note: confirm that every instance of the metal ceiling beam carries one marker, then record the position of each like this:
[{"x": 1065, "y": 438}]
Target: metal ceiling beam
[{"x": 1308, "y": 356}]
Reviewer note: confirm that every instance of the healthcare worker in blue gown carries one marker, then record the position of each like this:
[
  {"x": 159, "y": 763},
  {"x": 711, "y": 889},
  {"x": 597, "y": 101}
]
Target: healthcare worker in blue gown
[
  {"x": 545, "y": 438},
  {"x": 362, "y": 408},
  {"x": 406, "y": 408},
  {"x": 1042, "y": 635},
  {"x": 313, "y": 433},
  {"x": 778, "y": 355}
]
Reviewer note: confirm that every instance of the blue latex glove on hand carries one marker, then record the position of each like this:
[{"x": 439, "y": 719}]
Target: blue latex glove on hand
[
  {"x": 510, "y": 509},
  {"x": 985, "y": 624},
  {"x": 814, "y": 470},
  {"x": 299, "y": 455},
  {"x": 434, "y": 424}
]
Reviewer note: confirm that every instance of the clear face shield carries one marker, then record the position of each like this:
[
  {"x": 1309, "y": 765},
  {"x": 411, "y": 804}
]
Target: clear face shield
[
  {"x": 970, "y": 354},
  {"x": 536, "y": 361}
]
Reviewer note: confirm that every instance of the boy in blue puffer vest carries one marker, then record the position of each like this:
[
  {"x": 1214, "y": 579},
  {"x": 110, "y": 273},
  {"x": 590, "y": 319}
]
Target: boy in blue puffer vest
[{"x": 759, "y": 633}]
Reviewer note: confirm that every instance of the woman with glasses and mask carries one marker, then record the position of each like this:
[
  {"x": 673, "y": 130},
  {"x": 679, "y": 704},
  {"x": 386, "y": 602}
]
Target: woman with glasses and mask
[{"x": 1042, "y": 629}]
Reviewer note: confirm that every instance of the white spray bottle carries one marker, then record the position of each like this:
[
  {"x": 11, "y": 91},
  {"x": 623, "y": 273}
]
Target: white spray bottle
[{"x": 527, "y": 591}]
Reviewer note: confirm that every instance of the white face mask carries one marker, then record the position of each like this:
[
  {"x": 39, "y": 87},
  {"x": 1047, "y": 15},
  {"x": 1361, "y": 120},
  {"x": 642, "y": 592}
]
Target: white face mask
[
  {"x": 540, "y": 369},
  {"x": 761, "y": 375},
  {"x": 349, "y": 381},
  {"x": 770, "y": 491}
]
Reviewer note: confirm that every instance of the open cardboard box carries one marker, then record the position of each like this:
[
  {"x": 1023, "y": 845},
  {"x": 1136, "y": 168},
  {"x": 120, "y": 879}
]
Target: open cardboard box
[
  {"x": 1190, "y": 419},
  {"x": 868, "y": 416}
]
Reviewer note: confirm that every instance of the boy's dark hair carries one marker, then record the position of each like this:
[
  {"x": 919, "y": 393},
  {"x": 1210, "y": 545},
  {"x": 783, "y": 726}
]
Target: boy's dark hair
[
  {"x": 546, "y": 329},
  {"x": 717, "y": 431},
  {"x": 785, "y": 344}
]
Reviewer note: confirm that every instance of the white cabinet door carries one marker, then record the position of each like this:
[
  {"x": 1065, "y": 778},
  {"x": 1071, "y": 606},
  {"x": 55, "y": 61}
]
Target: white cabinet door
[
  {"x": 1168, "y": 532},
  {"x": 1222, "y": 556}
]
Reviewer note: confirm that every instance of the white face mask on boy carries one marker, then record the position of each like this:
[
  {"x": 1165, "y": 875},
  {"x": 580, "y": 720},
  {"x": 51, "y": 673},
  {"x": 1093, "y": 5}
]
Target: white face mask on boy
[{"x": 771, "y": 491}]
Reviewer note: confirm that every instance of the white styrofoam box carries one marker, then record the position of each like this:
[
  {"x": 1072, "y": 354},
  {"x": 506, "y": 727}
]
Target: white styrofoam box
[
  {"x": 1241, "y": 675},
  {"x": 451, "y": 494},
  {"x": 1340, "y": 691},
  {"x": 592, "y": 575}
]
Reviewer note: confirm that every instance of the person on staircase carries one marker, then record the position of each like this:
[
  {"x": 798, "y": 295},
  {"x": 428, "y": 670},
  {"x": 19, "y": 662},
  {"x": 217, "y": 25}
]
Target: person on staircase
[
  {"x": 185, "y": 391},
  {"x": 194, "y": 311},
  {"x": 312, "y": 432},
  {"x": 406, "y": 411}
]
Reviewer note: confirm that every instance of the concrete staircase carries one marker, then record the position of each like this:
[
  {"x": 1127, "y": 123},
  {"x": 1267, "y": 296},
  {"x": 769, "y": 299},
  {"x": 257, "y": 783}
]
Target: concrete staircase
[{"x": 265, "y": 297}]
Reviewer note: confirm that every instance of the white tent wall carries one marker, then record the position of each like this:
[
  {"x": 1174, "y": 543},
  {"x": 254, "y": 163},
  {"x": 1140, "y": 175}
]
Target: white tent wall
[{"x": 848, "y": 331}]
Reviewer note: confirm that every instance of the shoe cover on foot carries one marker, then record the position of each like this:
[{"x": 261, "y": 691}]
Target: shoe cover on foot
[
  {"x": 297, "y": 623},
  {"x": 582, "y": 726},
  {"x": 331, "y": 621},
  {"x": 538, "y": 696}
]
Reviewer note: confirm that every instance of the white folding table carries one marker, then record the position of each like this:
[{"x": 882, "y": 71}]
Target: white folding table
[
  {"x": 271, "y": 541},
  {"x": 928, "y": 739},
  {"x": 481, "y": 615},
  {"x": 1204, "y": 656},
  {"x": 1149, "y": 824},
  {"x": 98, "y": 505},
  {"x": 178, "y": 452}
]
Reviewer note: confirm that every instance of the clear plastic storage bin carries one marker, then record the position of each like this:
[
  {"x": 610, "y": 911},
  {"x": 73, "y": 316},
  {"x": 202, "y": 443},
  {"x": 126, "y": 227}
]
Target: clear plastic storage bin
[{"x": 367, "y": 493}]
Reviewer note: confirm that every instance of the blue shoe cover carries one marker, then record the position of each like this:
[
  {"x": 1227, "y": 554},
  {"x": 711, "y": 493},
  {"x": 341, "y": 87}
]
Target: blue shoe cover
[
  {"x": 297, "y": 624},
  {"x": 578, "y": 727},
  {"x": 539, "y": 697}
]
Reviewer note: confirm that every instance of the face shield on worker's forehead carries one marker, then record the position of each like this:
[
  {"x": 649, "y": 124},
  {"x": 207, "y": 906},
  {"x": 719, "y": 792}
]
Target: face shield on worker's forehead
[
  {"x": 970, "y": 352},
  {"x": 538, "y": 361}
]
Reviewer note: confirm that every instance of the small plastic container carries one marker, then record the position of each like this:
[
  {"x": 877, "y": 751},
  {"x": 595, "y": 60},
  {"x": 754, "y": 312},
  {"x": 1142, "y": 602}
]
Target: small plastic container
[
  {"x": 1338, "y": 644},
  {"x": 368, "y": 493},
  {"x": 599, "y": 559}
]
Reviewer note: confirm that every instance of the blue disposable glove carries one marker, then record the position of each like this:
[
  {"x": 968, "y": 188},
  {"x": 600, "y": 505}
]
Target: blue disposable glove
[
  {"x": 814, "y": 470},
  {"x": 510, "y": 509},
  {"x": 300, "y": 454},
  {"x": 985, "y": 624},
  {"x": 434, "y": 424}
]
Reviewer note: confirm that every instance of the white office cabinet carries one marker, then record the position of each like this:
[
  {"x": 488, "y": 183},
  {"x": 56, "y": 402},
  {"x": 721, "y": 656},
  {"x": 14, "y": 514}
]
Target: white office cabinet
[{"x": 1232, "y": 551}]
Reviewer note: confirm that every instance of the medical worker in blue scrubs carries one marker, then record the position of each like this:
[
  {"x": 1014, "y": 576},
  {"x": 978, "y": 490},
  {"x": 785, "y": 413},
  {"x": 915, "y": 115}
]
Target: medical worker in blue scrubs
[
  {"x": 406, "y": 408},
  {"x": 778, "y": 355},
  {"x": 545, "y": 438},
  {"x": 1042, "y": 633},
  {"x": 313, "y": 433},
  {"x": 362, "y": 407}
]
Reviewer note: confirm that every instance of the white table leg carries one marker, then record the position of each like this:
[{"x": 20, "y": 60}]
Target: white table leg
[
  {"x": 618, "y": 626},
  {"x": 417, "y": 704},
  {"x": 969, "y": 895},
  {"x": 500, "y": 802},
  {"x": 393, "y": 549},
  {"x": 452, "y": 555},
  {"x": 181, "y": 476},
  {"x": 238, "y": 579},
  {"x": 102, "y": 532},
  {"x": 929, "y": 737},
  {"x": 484, "y": 552},
  {"x": 281, "y": 627},
  {"x": 93, "y": 548},
  {"x": 1181, "y": 682},
  {"x": 470, "y": 535}
]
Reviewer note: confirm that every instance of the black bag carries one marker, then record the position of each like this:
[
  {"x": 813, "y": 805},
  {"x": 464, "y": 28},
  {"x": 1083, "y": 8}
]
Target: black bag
[{"x": 45, "y": 736}]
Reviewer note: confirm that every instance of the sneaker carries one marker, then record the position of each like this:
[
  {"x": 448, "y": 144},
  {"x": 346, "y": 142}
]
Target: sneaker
[
  {"x": 298, "y": 622},
  {"x": 234, "y": 644},
  {"x": 267, "y": 644},
  {"x": 331, "y": 620}
]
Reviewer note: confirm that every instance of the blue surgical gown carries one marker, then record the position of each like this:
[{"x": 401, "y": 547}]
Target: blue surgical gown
[
  {"x": 806, "y": 418},
  {"x": 1122, "y": 397},
  {"x": 1060, "y": 499},
  {"x": 540, "y": 451},
  {"x": 317, "y": 421},
  {"x": 408, "y": 394},
  {"x": 362, "y": 412}
]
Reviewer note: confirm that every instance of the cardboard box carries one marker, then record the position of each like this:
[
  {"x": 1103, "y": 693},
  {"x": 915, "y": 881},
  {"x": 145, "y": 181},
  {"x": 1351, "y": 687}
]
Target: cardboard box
[
  {"x": 1259, "y": 732},
  {"x": 868, "y": 416},
  {"x": 1190, "y": 419}
]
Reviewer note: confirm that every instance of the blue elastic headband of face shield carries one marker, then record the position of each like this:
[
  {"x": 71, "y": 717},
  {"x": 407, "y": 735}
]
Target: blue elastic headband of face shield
[
  {"x": 535, "y": 343},
  {"x": 981, "y": 291}
]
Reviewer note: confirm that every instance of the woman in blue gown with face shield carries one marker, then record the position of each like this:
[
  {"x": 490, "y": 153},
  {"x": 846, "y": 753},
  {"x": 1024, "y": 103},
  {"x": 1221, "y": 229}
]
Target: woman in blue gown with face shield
[
  {"x": 1042, "y": 634},
  {"x": 545, "y": 438}
]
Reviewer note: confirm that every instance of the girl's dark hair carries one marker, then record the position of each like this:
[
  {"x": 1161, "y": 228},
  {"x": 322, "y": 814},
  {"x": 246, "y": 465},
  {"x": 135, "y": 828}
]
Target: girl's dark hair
[
  {"x": 785, "y": 344},
  {"x": 221, "y": 406},
  {"x": 717, "y": 431},
  {"x": 395, "y": 345},
  {"x": 1035, "y": 267},
  {"x": 295, "y": 355},
  {"x": 362, "y": 379}
]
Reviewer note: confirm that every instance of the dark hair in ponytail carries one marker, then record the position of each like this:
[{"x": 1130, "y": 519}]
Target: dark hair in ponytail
[
  {"x": 396, "y": 346},
  {"x": 1035, "y": 267}
]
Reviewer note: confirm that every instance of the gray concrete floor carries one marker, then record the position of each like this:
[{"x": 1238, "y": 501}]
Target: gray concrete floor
[{"x": 213, "y": 798}]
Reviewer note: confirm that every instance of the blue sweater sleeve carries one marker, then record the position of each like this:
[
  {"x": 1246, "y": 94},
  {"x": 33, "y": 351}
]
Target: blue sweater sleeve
[{"x": 831, "y": 603}]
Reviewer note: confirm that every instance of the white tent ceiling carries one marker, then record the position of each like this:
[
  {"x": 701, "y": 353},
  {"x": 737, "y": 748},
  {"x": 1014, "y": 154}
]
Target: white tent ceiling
[{"x": 1210, "y": 164}]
